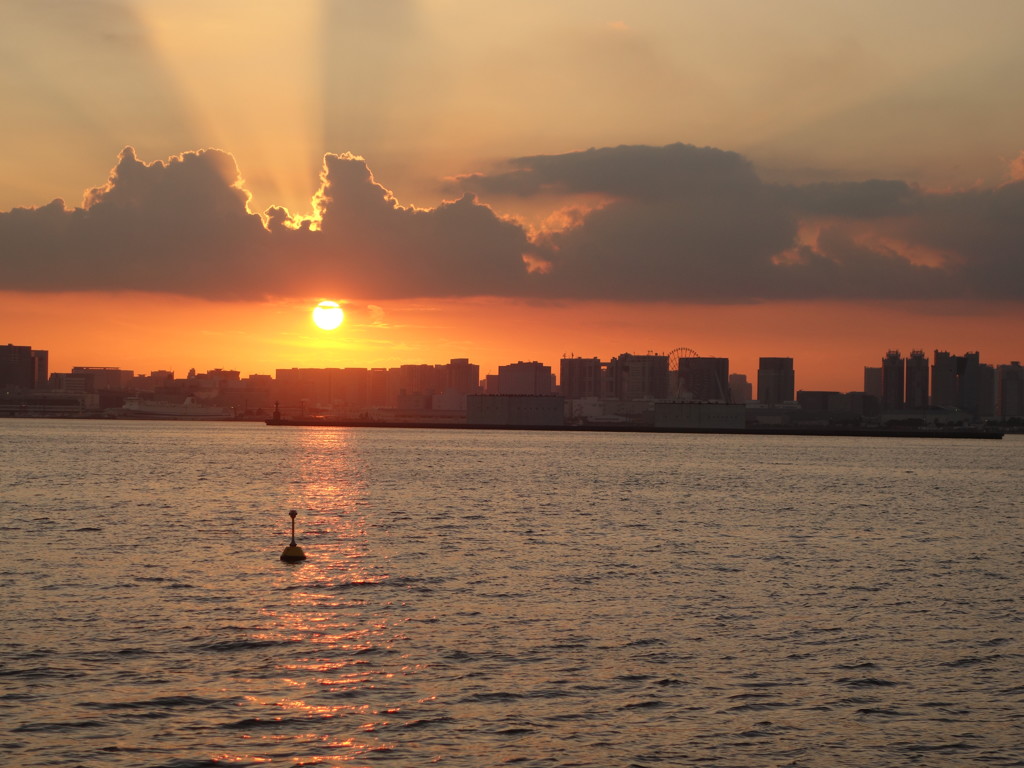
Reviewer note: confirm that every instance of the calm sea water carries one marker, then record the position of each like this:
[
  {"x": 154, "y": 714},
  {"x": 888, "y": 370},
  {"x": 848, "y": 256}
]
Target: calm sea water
[{"x": 507, "y": 598}]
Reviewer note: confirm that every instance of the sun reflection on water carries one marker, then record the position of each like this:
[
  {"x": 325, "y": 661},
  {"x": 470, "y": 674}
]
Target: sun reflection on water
[{"x": 342, "y": 641}]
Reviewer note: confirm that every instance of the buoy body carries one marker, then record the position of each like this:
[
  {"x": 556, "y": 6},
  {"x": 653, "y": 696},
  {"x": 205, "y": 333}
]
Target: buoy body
[{"x": 293, "y": 552}]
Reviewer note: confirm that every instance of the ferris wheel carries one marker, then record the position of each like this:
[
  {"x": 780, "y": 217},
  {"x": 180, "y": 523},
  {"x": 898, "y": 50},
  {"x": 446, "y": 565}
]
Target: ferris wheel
[
  {"x": 676, "y": 354},
  {"x": 676, "y": 385}
]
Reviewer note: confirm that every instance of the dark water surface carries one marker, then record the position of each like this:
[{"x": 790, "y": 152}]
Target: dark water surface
[{"x": 507, "y": 598}]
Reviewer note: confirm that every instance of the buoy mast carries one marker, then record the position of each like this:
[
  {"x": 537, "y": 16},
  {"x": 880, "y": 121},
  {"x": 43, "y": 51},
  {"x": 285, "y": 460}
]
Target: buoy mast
[{"x": 293, "y": 552}]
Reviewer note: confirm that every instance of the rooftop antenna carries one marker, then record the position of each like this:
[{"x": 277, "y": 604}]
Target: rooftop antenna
[{"x": 293, "y": 552}]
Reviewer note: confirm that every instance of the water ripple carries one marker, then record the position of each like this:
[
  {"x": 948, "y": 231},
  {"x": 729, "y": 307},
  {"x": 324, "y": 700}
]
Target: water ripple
[{"x": 477, "y": 600}]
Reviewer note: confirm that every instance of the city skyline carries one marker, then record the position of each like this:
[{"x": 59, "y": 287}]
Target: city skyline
[
  {"x": 501, "y": 183},
  {"x": 899, "y": 381}
]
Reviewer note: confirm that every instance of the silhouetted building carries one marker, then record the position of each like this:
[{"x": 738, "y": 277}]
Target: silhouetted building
[
  {"x": 917, "y": 380},
  {"x": 105, "y": 378},
  {"x": 637, "y": 377},
  {"x": 72, "y": 383},
  {"x": 964, "y": 382},
  {"x": 39, "y": 403},
  {"x": 351, "y": 390},
  {"x": 151, "y": 381},
  {"x": 703, "y": 378},
  {"x": 873, "y": 382},
  {"x": 969, "y": 383},
  {"x": 23, "y": 368},
  {"x": 524, "y": 379},
  {"x": 985, "y": 404},
  {"x": 1010, "y": 391},
  {"x": 824, "y": 407},
  {"x": 775, "y": 380},
  {"x": 817, "y": 402},
  {"x": 460, "y": 376},
  {"x": 944, "y": 380},
  {"x": 219, "y": 377},
  {"x": 703, "y": 415},
  {"x": 580, "y": 377},
  {"x": 837, "y": 407},
  {"x": 255, "y": 394},
  {"x": 423, "y": 379},
  {"x": 893, "y": 380},
  {"x": 740, "y": 390},
  {"x": 516, "y": 410},
  {"x": 377, "y": 387},
  {"x": 306, "y": 388}
]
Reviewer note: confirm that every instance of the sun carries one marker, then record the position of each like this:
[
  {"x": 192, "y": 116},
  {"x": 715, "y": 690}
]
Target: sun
[{"x": 328, "y": 315}]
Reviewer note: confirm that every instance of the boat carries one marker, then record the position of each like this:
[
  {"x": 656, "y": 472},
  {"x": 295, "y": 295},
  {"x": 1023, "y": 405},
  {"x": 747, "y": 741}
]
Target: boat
[{"x": 190, "y": 409}]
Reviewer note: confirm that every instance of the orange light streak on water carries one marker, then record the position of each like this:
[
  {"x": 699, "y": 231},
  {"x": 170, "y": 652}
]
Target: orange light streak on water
[{"x": 345, "y": 647}]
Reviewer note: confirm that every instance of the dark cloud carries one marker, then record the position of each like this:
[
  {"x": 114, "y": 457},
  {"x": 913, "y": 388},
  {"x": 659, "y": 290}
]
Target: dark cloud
[
  {"x": 184, "y": 227},
  {"x": 629, "y": 172},
  {"x": 697, "y": 224},
  {"x": 839, "y": 267},
  {"x": 176, "y": 227},
  {"x": 675, "y": 223},
  {"x": 692, "y": 249},
  {"x": 981, "y": 231},
  {"x": 858, "y": 200},
  {"x": 370, "y": 243}
]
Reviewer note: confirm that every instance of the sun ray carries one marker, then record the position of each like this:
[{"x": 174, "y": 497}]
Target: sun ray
[{"x": 269, "y": 119}]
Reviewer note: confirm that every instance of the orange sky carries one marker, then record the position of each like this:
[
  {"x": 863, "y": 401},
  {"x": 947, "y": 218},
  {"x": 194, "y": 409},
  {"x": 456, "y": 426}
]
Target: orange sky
[
  {"x": 830, "y": 343},
  {"x": 824, "y": 181}
]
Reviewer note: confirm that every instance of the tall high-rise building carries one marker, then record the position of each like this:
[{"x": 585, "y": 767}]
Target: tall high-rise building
[
  {"x": 524, "y": 379},
  {"x": 350, "y": 388},
  {"x": 917, "y": 380},
  {"x": 776, "y": 380},
  {"x": 461, "y": 376},
  {"x": 893, "y": 380},
  {"x": 1010, "y": 391},
  {"x": 964, "y": 382},
  {"x": 703, "y": 378},
  {"x": 873, "y": 382},
  {"x": 580, "y": 377},
  {"x": 308, "y": 387},
  {"x": 23, "y": 367},
  {"x": 637, "y": 377},
  {"x": 377, "y": 386},
  {"x": 740, "y": 390},
  {"x": 969, "y": 382},
  {"x": 985, "y": 404},
  {"x": 422, "y": 378},
  {"x": 944, "y": 375}
]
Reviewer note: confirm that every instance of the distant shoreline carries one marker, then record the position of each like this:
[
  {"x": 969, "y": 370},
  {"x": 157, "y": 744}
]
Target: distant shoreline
[
  {"x": 964, "y": 433},
  {"x": 968, "y": 433}
]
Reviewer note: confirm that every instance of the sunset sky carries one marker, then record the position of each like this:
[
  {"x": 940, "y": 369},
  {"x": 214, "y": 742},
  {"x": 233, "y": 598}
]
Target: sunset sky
[{"x": 180, "y": 183}]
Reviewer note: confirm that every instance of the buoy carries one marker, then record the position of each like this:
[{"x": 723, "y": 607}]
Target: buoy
[{"x": 293, "y": 552}]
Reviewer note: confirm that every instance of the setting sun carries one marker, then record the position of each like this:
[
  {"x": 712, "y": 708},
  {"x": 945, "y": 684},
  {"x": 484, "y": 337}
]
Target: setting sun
[{"x": 328, "y": 315}]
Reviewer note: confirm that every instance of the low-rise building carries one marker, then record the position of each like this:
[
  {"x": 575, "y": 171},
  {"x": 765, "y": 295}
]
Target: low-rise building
[
  {"x": 692, "y": 415},
  {"x": 516, "y": 410}
]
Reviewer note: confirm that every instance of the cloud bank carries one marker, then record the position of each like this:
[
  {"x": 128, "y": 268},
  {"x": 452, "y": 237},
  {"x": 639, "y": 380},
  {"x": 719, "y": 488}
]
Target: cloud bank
[{"x": 673, "y": 223}]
